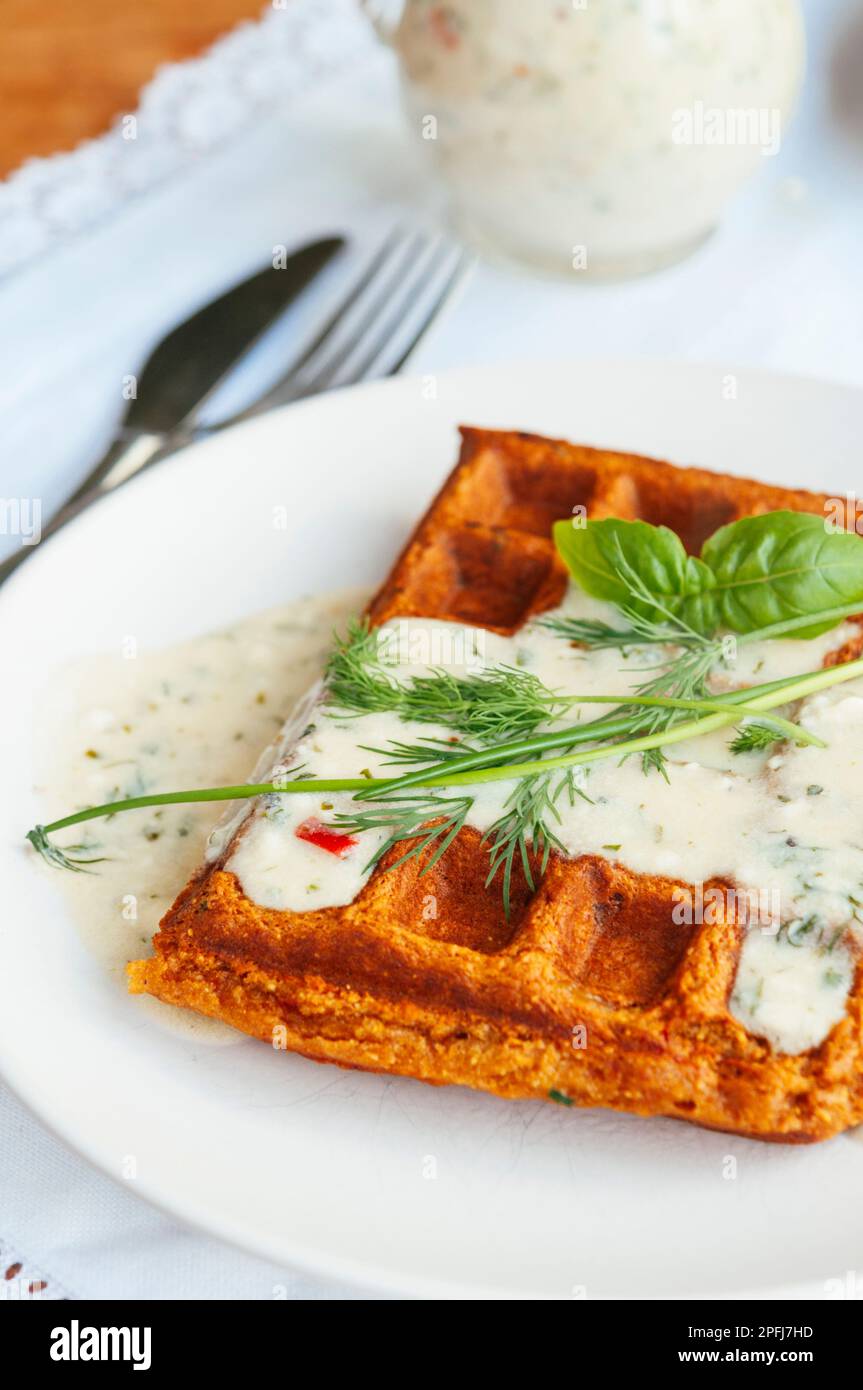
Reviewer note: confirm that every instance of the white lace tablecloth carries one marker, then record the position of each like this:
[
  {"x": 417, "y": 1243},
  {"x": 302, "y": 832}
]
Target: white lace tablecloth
[{"x": 288, "y": 128}]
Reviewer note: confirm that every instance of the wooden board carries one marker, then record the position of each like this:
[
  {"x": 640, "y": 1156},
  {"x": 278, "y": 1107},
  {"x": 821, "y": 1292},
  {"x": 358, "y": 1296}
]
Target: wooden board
[{"x": 67, "y": 69}]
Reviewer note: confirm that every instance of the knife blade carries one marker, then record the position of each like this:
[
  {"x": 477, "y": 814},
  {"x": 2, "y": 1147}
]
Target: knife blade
[
  {"x": 187, "y": 366},
  {"x": 184, "y": 369},
  {"x": 195, "y": 357}
]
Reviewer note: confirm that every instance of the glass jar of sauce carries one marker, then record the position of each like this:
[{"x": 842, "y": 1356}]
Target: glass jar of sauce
[{"x": 602, "y": 136}]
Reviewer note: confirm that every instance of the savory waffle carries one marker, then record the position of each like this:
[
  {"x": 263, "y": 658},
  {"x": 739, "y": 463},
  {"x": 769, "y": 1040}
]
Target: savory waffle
[{"x": 589, "y": 992}]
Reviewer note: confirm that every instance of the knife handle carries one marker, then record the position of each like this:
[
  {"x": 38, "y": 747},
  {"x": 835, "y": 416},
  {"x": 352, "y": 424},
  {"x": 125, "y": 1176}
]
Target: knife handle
[{"x": 125, "y": 456}]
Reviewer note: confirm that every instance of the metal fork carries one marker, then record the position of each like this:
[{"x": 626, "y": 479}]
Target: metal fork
[
  {"x": 404, "y": 287},
  {"x": 371, "y": 333}
]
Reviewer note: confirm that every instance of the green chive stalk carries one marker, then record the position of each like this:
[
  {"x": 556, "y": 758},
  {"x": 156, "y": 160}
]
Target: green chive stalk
[{"x": 758, "y": 700}]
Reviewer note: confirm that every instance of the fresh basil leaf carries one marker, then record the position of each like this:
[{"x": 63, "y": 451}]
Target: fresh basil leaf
[
  {"x": 638, "y": 567},
  {"x": 782, "y": 565}
]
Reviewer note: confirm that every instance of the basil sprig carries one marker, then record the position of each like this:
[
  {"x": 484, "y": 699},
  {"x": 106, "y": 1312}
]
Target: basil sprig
[{"x": 751, "y": 574}]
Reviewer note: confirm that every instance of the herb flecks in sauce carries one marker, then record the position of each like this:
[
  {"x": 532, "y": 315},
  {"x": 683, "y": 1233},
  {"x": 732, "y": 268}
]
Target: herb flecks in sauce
[{"x": 128, "y": 882}]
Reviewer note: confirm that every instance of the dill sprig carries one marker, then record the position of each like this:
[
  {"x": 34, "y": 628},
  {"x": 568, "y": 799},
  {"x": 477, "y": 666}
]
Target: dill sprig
[
  {"x": 497, "y": 704},
  {"x": 423, "y": 818},
  {"x": 504, "y": 702},
  {"x": 411, "y": 816},
  {"x": 755, "y": 735},
  {"x": 525, "y": 829},
  {"x": 522, "y": 832},
  {"x": 441, "y": 749},
  {"x": 641, "y": 632},
  {"x": 683, "y": 675},
  {"x": 684, "y": 678},
  {"x": 600, "y": 636}
]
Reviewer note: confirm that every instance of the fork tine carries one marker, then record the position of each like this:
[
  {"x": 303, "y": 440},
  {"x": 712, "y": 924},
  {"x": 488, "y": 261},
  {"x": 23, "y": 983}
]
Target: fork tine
[
  {"x": 281, "y": 390},
  {"x": 403, "y": 271},
  {"x": 378, "y": 261},
  {"x": 448, "y": 290},
  {"x": 372, "y": 311},
  {"x": 387, "y": 318}
]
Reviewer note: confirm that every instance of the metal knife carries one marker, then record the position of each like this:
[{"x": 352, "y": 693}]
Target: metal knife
[{"x": 184, "y": 369}]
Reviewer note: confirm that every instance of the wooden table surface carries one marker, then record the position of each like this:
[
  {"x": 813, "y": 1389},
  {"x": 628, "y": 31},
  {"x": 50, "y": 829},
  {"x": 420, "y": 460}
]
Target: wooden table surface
[{"x": 67, "y": 67}]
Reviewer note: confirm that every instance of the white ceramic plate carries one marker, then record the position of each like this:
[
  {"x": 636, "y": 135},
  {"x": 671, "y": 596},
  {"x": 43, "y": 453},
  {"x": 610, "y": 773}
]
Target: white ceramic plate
[{"x": 329, "y": 1169}]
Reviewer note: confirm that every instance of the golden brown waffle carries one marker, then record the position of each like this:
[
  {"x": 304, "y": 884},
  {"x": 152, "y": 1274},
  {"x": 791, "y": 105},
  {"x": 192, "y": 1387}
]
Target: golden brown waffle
[{"x": 471, "y": 997}]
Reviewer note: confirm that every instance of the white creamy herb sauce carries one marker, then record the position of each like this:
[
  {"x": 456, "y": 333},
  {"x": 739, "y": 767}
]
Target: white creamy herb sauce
[
  {"x": 194, "y": 715},
  {"x": 559, "y": 123},
  {"x": 787, "y": 826}
]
